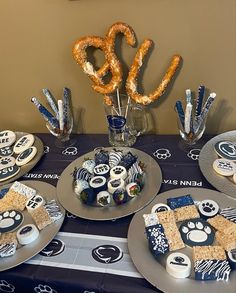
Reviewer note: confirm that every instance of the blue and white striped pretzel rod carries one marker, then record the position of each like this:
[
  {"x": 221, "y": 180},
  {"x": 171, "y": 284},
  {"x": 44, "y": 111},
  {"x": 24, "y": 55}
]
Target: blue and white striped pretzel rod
[
  {"x": 51, "y": 100},
  {"x": 52, "y": 121},
  {"x": 180, "y": 111},
  {"x": 199, "y": 101},
  {"x": 66, "y": 105},
  {"x": 205, "y": 110}
]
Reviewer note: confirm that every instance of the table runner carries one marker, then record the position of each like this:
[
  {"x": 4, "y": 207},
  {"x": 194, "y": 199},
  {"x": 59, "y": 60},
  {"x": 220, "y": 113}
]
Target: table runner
[{"x": 89, "y": 256}]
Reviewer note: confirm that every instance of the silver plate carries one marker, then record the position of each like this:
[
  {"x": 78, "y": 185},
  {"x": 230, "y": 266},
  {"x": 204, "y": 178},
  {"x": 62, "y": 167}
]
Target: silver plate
[
  {"x": 27, "y": 167},
  {"x": 208, "y": 156},
  {"x": 153, "y": 270},
  {"x": 26, "y": 252},
  {"x": 71, "y": 203}
]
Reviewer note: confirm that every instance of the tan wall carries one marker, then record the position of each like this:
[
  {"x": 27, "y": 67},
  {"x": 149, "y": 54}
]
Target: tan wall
[{"x": 35, "y": 52}]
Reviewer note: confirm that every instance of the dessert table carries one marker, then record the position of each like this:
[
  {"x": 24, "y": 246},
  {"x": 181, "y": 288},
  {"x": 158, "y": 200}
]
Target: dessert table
[{"x": 92, "y": 256}]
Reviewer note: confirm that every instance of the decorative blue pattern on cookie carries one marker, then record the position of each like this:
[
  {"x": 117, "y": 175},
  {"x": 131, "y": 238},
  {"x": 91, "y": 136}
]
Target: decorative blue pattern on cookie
[
  {"x": 158, "y": 243},
  {"x": 180, "y": 201},
  {"x": 212, "y": 270}
]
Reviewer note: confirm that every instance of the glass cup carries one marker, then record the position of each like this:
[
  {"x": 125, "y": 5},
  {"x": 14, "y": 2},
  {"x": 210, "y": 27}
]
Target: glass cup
[
  {"x": 197, "y": 128},
  {"x": 126, "y": 120},
  {"x": 63, "y": 136}
]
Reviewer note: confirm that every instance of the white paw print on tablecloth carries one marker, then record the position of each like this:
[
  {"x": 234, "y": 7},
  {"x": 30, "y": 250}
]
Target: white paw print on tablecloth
[
  {"x": 6, "y": 287},
  {"x": 194, "y": 154},
  {"x": 70, "y": 151},
  {"x": 44, "y": 289},
  {"x": 162, "y": 154},
  {"x": 46, "y": 149}
]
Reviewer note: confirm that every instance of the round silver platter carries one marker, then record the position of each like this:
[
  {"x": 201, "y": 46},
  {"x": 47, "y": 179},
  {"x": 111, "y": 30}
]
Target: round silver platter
[
  {"x": 23, "y": 253},
  {"x": 208, "y": 156},
  {"x": 27, "y": 167},
  {"x": 70, "y": 201},
  {"x": 154, "y": 270}
]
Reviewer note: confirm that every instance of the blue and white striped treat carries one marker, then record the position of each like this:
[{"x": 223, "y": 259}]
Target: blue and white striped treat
[
  {"x": 229, "y": 213},
  {"x": 52, "y": 121},
  {"x": 212, "y": 270},
  {"x": 81, "y": 174},
  {"x": 52, "y": 101},
  {"x": 115, "y": 157}
]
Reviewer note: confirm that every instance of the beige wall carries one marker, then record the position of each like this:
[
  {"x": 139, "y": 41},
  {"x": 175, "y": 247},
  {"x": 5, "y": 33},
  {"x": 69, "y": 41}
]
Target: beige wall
[{"x": 35, "y": 52}]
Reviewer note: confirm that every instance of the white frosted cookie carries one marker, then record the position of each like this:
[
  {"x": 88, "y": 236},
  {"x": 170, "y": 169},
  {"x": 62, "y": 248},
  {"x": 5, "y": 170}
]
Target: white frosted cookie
[
  {"x": 26, "y": 156},
  {"x": 23, "y": 143},
  {"x": 160, "y": 207},
  {"x": 208, "y": 208},
  {"x": 27, "y": 234},
  {"x": 34, "y": 202},
  {"x": 118, "y": 172},
  {"x": 224, "y": 167},
  {"x": 9, "y": 172},
  {"x": 114, "y": 184},
  {"x": 7, "y": 138},
  {"x": 7, "y": 162},
  {"x": 178, "y": 265}
]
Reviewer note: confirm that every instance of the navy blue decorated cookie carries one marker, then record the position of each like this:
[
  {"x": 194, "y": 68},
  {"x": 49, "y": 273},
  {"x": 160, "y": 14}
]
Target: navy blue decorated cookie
[
  {"x": 10, "y": 220},
  {"x": 180, "y": 201},
  {"x": 197, "y": 232},
  {"x": 26, "y": 156},
  {"x": 158, "y": 243},
  {"x": 6, "y": 151},
  {"x": 229, "y": 213},
  {"x": 226, "y": 150},
  {"x": 9, "y": 172},
  {"x": 3, "y": 192}
]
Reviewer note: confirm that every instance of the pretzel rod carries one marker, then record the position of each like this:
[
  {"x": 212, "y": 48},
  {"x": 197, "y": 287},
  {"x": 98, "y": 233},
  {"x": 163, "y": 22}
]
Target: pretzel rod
[{"x": 131, "y": 83}]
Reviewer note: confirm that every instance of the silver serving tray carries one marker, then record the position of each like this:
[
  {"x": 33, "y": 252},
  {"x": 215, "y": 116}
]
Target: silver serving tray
[
  {"x": 69, "y": 200},
  {"x": 208, "y": 156},
  {"x": 154, "y": 271},
  {"x": 27, "y": 167},
  {"x": 23, "y": 253}
]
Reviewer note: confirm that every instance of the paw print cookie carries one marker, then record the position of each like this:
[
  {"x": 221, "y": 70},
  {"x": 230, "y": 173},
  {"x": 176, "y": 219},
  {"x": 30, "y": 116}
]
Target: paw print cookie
[
  {"x": 208, "y": 208},
  {"x": 118, "y": 172},
  {"x": 10, "y": 220},
  {"x": 197, "y": 232}
]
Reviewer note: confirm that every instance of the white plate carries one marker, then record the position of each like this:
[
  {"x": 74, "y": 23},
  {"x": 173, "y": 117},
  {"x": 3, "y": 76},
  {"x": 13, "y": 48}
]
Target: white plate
[
  {"x": 69, "y": 200},
  {"x": 208, "y": 156},
  {"x": 27, "y": 167},
  {"x": 26, "y": 252},
  {"x": 153, "y": 270}
]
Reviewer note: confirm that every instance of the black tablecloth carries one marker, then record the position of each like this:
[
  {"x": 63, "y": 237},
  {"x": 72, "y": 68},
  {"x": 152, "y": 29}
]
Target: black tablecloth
[{"x": 70, "y": 263}]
